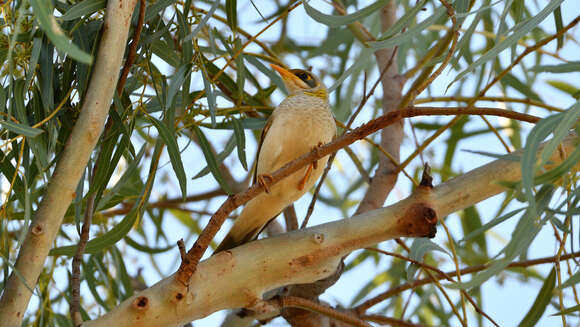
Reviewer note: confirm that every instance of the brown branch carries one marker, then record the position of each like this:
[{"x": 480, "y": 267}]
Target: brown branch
[
  {"x": 75, "y": 300},
  {"x": 390, "y": 321},
  {"x": 298, "y": 302},
  {"x": 470, "y": 270},
  {"x": 126, "y": 207},
  {"x": 427, "y": 267},
  {"x": 132, "y": 48},
  {"x": 290, "y": 218},
  {"x": 187, "y": 268}
]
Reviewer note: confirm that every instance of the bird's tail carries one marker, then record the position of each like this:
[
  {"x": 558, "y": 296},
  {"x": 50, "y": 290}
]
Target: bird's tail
[
  {"x": 232, "y": 240},
  {"x": 256, "y": 214}
]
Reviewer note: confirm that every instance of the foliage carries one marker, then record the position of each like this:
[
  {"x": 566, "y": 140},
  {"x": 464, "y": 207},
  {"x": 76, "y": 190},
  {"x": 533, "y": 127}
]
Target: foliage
[{"x": 181, "y": 135}]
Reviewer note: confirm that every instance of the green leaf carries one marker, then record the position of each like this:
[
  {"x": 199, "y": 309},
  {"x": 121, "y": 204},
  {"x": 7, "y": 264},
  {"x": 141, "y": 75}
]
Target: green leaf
[
  {"x": 84, "y": 8},
  {"x": 519, "y": 31},
  {"x": 156, "y": 7},
  {"x": 541, "y": 302},
  {"x": 555, "y": 173},
  {"x": 410, "y": 33},
  {"x": 144, "y": 248},
  {"x": 567, "y": 119},
  {"x": 572, "y": 66},
  {"x": 419, "y": 248},
  {"x": 240, "y": 136},
  {"x": 404, "y": 21},
  {"x": 176, "y": 82},
  {"x": 43, "y": 12},
  {"x": 523, "y": 234},
  {"x": 211, "y": 159},
  {"x": 102, "y": 242},
  {"x": 510, "y": 80},
  {"x": 209, "y": 93},
  {"x": 21, "y": 129},
  {"x": 564, "y": 87},
  {"x": 231, "y": 14},
  {"x": 363, "y": 58},
  {"x": 120, "y": 230},
  {"x": 529, "y": 157},
  {"x": 559, "y": 26},
  {"x": 566, "y": 311},
  {"x": 489, "y": 225},
  {"x": 335, "y": 21},
  {"x": 202, "y": 22},
  {"x": 230, "y": 145},
  {"x": 168, "y": 136}
]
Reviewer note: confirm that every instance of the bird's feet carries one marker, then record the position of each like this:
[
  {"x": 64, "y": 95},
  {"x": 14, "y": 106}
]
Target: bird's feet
[
  {"x": 264, "y": 180},
  {"x": 313, "y": 165}
]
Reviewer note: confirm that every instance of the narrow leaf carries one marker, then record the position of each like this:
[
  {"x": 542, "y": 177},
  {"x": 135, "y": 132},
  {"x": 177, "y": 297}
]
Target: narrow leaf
[
  {"x": 572, "y": 66},
  {"x": 241, "y": 142},
  {"x": 85, "y": 8},
  {"x": 211, "y": 159},
  {"x": 43, "y": 12},
  {"x": 520, "y": 31},
  {"x": 335, "y": 21},
  {"x": 168, "y": 136},
  {"x": 231, "y": 14},
  {"x": 541, "y": 302},
  {"x": 21, "y": 129}
]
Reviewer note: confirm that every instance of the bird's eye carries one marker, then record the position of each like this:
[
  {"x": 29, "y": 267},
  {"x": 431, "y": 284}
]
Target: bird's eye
[{"x": 307, "y": 78}]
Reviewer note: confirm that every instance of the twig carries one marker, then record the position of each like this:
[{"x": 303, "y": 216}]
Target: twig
[
  {"x": 425, "y": 266},
  {"x": 75, "y": 301},
  {"x": 196, "y": 252},
  {"x": 132, "y": 48},
  {"x": 470, "y": 270},
  {"x": 290, "y": 218},
  {"x": 298, "y": 302},
  {"x": 126, "y": 207},
  {"x": 390, "y": 321}
]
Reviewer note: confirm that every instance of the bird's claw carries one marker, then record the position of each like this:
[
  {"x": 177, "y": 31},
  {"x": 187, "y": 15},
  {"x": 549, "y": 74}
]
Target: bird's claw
[
  {"x": 313, "y": 165},
  {"x": 317, "y": 149},
  {"x": 262, "y": 181}
]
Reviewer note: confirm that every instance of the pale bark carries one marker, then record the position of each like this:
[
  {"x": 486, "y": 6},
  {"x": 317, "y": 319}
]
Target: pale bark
[
  {"x": 238, "y": 278},
  {"x": 385, "y": 176},
  {"x": 70, "y": 167}
]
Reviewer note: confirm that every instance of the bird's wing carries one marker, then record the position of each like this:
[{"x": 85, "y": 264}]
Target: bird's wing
[{"x": 262, "y": 137}]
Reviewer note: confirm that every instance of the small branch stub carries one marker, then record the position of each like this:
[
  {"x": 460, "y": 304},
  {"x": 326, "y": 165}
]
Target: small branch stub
[
  {"x": 426, "y": 178},
  {"x": 318, "y": 238},
  {"x": 141, "y": 303}
]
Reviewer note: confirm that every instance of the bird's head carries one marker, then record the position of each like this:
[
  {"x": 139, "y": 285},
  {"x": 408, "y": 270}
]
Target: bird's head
[{"x": 301, "y": 81}]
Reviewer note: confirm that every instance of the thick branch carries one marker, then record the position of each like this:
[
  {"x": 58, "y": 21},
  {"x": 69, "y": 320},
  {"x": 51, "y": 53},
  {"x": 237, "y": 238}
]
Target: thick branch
[
  {"x": 239, "y": 277},
  {"x": 69, "y": 169},
  {"x": 188, "y": 266}
]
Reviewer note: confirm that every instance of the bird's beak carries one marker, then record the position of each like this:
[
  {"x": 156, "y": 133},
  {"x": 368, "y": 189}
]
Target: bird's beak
[{"x": 292, "y": 82}]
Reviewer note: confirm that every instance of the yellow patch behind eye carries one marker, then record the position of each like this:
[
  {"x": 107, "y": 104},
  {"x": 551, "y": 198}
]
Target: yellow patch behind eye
[{"x": 320, "y": 93}]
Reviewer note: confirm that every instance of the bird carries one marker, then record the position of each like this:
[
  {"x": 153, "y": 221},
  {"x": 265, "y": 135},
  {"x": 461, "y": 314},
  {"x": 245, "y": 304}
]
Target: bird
[{"x": 302, "y": 122}]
